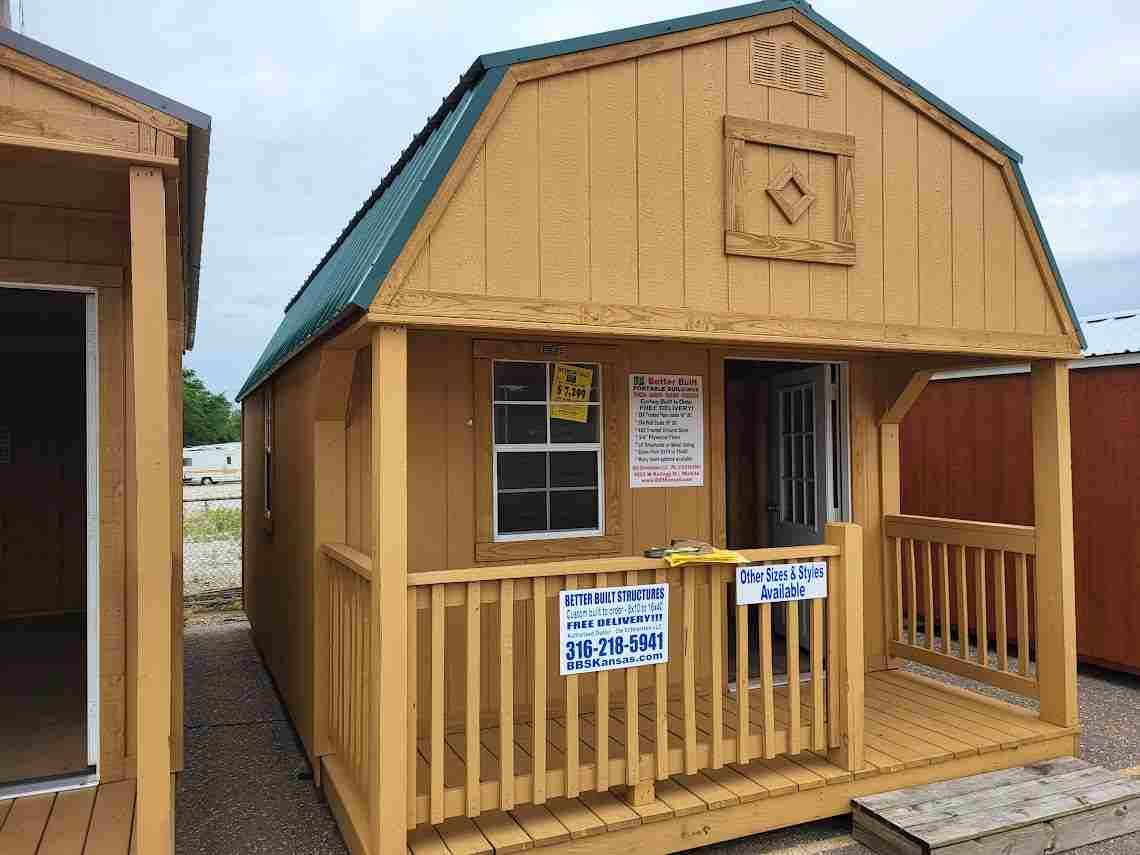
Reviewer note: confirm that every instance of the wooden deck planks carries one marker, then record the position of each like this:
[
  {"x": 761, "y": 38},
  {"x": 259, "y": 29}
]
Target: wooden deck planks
[
  {"x": 111, "y": 819},
  {"x": 1050, "y": 806},
  {"x": 542, "y": 826},
  {"x": 66, "y": 832},
  {"x": 25, "y": 825}
]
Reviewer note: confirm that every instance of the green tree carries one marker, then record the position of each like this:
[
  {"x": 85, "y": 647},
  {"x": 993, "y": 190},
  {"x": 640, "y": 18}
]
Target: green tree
[{"x": 207, "y": 417}]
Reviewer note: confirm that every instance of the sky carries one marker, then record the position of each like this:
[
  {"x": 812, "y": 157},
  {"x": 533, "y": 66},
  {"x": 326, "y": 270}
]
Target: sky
[{"x": 312, "y": 102}]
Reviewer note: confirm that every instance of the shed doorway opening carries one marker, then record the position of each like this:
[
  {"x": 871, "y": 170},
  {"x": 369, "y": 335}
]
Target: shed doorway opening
[
  {"x": 48, "y": 540},
  {"x": 787, "y": 474}
]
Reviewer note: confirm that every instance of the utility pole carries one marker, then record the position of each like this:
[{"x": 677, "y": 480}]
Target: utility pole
[{"x": 5, "y": 14}]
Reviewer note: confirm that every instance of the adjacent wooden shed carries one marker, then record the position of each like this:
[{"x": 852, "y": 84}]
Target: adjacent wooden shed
[
  {"x": 102, "y": 189},
  {"x": 966, "y": 452},
  {"x": 677, "y": 281}
]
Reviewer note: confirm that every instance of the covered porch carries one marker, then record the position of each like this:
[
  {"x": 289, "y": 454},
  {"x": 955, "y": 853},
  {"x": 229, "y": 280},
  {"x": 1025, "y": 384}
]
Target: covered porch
[{"x": 429, "y": 695}]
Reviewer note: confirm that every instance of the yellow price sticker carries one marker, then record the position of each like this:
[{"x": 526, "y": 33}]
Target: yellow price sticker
[{"x": 570, "y": 390}]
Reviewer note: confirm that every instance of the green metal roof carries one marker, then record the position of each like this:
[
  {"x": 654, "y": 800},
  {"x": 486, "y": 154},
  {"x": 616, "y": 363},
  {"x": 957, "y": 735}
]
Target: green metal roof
[{"x": 347, "y": 278}]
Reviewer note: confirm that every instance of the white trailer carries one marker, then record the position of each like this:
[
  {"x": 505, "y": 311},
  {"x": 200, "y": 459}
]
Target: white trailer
[{"x": 211, "y": 464}]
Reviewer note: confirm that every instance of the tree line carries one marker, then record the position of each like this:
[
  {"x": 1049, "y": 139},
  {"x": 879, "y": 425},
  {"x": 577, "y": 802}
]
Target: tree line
[{"x": 208, "y": 418}]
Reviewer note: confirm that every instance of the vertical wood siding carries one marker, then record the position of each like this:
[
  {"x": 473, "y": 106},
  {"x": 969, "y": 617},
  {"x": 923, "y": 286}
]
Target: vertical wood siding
[
  {"x": 967, "y": 453},
  {"x": 605, "y": 186}
]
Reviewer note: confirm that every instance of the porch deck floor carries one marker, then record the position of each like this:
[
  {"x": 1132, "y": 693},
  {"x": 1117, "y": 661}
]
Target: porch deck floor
[
  {"x": 911, "y": 723},
  {"x": 80, "y": 822}
]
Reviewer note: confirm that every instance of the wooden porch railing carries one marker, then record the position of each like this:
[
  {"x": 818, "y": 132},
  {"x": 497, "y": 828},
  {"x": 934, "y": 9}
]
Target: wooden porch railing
[
  {"x": 952, "y": 575},
  {"x": 345, "y": 651},
  {"x": 490, "y": 735}
]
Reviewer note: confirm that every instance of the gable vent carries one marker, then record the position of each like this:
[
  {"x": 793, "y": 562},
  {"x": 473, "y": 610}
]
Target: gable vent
[{"x": 788, "y": 66}]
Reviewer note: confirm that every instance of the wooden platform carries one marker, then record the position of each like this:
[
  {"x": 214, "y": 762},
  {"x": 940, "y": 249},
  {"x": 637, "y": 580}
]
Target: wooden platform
[
  {"x": 90, "y": 821},
  {"x": 1052, "y": 806},
  {"x": 918, "y": 731}
]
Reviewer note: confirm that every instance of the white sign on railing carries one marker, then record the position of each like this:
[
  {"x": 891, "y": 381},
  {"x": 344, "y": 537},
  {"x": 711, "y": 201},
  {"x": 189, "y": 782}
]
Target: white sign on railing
[
  {"x": 601, "y": 629},
  {"x": 778, "y": 583}
]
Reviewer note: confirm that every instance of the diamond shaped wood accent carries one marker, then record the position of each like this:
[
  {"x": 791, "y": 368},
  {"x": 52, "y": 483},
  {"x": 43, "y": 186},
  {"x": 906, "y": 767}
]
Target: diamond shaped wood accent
[{"x": 777, "y": 188}]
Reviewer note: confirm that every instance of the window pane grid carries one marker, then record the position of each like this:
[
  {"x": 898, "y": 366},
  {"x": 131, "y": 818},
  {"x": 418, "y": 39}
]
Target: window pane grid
[
  {"x": 797, "y": 418},
  {"x": 572, "y": 493}
]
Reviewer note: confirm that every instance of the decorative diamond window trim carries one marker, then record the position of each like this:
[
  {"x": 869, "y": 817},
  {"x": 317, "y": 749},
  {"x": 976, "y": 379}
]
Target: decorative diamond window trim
[{"x": 778, "y": 186}]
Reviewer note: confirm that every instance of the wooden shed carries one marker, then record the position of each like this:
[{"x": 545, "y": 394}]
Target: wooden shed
[
  {"x": 102, "y": 188},
  {"x": 966, "y": 452},
  {"x": 676, "y": 281}
]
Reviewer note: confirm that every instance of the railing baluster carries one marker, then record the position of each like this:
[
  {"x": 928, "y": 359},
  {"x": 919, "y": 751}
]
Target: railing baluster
[
  {"x": 980, "y": 605},
  {"x": 767, "y": 688},
  {"x": 928, "y": 578},
  {"x": 1000, "y": 630},
  {"x": 538, "y": 717},
  {"x": 818, "y": 734},
  {"x": 474, "y": 639},
  {"x": 437, "y": 702},
  {"x": 413, "y": 703},
  {"x": 944, "y": 567},
  {"x": 912, "y": 579},
  {"x": 716, "y": 673},
  {"x": 602, "y": 718},
  {"x": 743, "y": 711},
  {"x": 689, "y": 666},
  {"x": 792, "y": 657},
  {"x": 506, "y": 694},
  {"x": 573, "y": 778},
  {"x": 896, "y": 553},
  {"x": 963, "y": 607},
  {"x": 632, "y": 747},
  {"x": 1023, "y": 615},
  {"x": 661, "y": 700}
]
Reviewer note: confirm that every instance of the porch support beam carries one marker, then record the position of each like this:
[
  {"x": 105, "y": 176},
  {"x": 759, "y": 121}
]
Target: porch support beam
[
  {"x": 154, "y": 542},
  {"x": 845, "y": 594},
  {"x": 1053, "y": 520},
  {"x": 388, "y": 786}
]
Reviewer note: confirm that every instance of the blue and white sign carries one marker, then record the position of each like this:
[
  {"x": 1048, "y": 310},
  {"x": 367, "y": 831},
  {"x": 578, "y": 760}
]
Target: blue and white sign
[
  {"x": 779, "y": 583},
  {"x": 601, "y": 629}
]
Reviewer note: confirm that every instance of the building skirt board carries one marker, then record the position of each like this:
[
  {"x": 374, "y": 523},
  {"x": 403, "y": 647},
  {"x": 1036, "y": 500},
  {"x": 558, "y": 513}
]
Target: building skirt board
[
  {"x": 917, "y": 733},
  {"x": 1046, "y": 807}
]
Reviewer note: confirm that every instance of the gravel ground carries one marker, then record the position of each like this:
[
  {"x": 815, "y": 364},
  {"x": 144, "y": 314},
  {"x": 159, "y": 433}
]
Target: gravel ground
[
  {"x": 213, "y": 565},
  {"x": 245, "y": 789}
]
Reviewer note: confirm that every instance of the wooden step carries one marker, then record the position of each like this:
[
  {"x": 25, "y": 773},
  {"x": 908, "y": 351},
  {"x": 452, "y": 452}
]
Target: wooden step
[{"x": 1048, "y": 807}]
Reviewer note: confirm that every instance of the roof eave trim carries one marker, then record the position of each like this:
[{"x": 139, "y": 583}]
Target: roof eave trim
[{"x": 1049, "y": 255}]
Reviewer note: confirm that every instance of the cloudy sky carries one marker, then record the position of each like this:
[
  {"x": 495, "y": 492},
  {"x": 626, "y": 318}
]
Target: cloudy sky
[{"x": 313, "y": 101}]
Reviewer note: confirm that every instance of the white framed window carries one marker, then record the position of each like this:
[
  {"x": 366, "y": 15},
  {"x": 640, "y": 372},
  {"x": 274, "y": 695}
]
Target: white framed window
[{"x": 548, "y": 466}]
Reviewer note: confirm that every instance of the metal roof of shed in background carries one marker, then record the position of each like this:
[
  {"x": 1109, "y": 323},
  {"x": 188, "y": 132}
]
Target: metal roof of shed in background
[
  {"x": 346, "y": 280},
  {"x": 1116, "y": 332}
]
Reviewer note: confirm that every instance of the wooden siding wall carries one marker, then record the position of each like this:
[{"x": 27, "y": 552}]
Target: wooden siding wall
[
  {"x": 358, "y": 456},
  {"x": 604, "y": 187},
  {"x": 278, "y": 563},
  {"x": 967, "y": 453},
  {"x": 56, "y": 222}
]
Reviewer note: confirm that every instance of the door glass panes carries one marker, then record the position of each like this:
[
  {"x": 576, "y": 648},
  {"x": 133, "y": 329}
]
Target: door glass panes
[
  {"x": 547, "y": 449},
  {"x": 797, "y": 473}
]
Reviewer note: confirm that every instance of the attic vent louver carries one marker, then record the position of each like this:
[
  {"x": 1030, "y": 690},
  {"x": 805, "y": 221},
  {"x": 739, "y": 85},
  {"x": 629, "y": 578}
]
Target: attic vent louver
[{"x": 788, "y": 66}]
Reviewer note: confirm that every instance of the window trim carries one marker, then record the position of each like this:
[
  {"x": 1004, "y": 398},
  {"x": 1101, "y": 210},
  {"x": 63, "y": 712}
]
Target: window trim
[
  {"x": 613, "y": 364},
  {"x": 267, "y": 455}
]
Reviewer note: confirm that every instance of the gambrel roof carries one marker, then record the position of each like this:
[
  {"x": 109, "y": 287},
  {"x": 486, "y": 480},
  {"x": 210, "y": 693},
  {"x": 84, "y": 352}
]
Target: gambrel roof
[{"x": 347, "y": 279}]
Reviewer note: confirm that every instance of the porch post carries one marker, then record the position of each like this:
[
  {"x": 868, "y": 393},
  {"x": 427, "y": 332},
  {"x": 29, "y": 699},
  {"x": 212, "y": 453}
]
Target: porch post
[
  {"x": 388, "y": 787},
  {"x": 154, "y": 826},
  {"x": 845, "y": 594},
  {"x": 1053, "y": 518}
]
